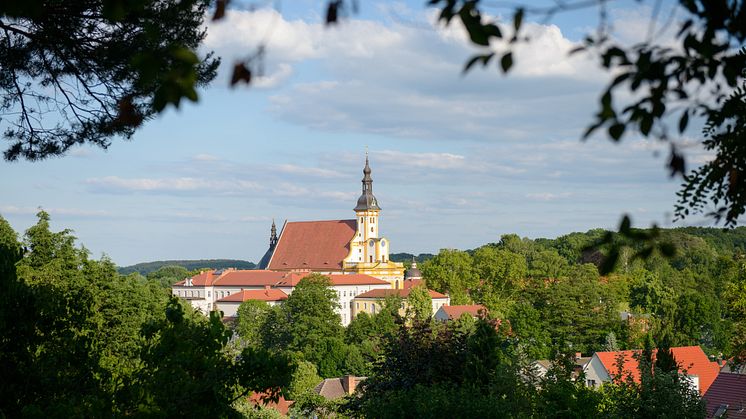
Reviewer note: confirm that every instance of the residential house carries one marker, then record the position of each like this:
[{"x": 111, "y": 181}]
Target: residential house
[
  {"x": 448, "y": 313},
  {"x": 336, "y": 388},
  {"x": 692, "y": 361},
  {"x": 726, "y": 397}
]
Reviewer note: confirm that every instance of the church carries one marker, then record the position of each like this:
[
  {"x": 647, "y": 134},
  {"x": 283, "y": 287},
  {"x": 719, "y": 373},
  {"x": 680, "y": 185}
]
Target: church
[
  {"x": 337, "y": 246},
  {"x": 352, "y": 253}
]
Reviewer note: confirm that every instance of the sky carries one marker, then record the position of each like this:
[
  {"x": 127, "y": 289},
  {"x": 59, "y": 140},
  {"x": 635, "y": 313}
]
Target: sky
[{"x": 457, "y": 160}]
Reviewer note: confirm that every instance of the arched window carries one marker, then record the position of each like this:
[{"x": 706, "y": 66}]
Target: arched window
[
  {"x": 397, "y": 284},
  {"x": 371, "y": 229},
  {"x": 371, "y": 259}
]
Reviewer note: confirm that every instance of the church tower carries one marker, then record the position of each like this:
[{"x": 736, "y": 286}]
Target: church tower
[
  {"x": 264, "y": 262},
  {"x": 369, "y": 250}
]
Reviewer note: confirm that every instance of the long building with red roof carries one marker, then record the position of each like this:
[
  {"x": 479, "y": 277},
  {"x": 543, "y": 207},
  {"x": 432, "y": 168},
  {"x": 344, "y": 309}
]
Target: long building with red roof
[{"x": 226, "y": 289}]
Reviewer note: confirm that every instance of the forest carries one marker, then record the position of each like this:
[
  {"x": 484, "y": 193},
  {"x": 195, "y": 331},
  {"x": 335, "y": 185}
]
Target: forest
[{"x": 79, "y": 339}]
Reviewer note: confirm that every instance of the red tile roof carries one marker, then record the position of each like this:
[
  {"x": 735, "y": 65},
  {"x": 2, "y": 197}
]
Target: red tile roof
[
  {"x": 260, "y": 278},
  {"x": 292, "y": 279},
  {"x": 314, "y": 245},
  {"x": 282, "y": 405},
  {"x": 271, "y": 294},
  {"x": 727, "y": 389},
  {"x": 383, "y": 293},
  {"x": 454, "y": 312},
  {"x": 689, "y": 358},
  {"x": 201, "y": 279},
  {"x": 410, "y": 283}
]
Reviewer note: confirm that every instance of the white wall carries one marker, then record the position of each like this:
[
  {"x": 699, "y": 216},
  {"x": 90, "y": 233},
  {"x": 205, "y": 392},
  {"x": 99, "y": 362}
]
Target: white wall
[{"x": 596, "y": 372}]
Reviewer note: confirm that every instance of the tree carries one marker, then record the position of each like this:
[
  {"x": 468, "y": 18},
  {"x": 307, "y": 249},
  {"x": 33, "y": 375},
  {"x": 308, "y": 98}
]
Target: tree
[
  {"x": 252, "y": 315},
  {"x": 166, "y": 276},
  {"x": 419, "y": 304},
  {"x": 186, "y": 373},
  {"x": 501, "y": 273},
  {"x": 451, "y": 271},
  {"x": 661, "y": 81},
  {"x": 85, "y": 72}
]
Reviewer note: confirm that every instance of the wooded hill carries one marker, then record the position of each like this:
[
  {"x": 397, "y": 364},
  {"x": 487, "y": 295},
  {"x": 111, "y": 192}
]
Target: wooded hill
[{"x": 147, "y": 267}]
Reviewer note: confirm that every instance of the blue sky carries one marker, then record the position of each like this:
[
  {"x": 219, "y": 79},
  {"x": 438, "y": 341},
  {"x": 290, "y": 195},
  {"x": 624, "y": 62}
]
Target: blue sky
[{"x": 457, "y": 160}]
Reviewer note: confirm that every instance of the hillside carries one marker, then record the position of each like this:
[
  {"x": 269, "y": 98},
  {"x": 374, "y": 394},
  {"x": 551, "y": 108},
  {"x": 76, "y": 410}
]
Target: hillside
[{"x": 148, "y": 267}]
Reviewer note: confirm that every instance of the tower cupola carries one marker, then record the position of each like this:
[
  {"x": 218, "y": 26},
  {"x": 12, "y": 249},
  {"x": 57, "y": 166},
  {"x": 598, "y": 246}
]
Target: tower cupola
[{"x": 367, "y": 201}]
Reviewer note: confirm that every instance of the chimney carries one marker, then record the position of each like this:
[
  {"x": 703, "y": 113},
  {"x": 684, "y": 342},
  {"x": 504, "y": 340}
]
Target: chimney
[
  {"x": 348, "y": 384},
  {"x": 578, "y": 355}
]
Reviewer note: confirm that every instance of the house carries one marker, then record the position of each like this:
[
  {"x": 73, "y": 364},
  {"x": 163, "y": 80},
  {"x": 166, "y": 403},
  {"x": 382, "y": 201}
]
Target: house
[
  {"x": 447, "y": 313},
  {"x": 281, "y": 405},
  {"x": 691, "y": 359},
  {"x": 229, "y": 305},
  {"x": 541, "y": 367},
  {"x": 336, "y": 388},
  {"x": 372, "y": 301},
  {"x": 726, "y": 397}
]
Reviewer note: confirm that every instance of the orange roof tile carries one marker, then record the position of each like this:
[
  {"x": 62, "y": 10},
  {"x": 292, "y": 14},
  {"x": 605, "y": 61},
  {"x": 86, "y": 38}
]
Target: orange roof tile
[
  {"x": 249, "y": 278},
  {"x": 271, "y": 294},
  {"x": 689, "y": 358},
  {"x": 292, "y": 279},
  {"x": 202, "y": 279},
  {"x": 282, "y": 405},
  {"x": 454, "y": 312},
  {"x": 313, "y": 245},
  {"x": 383, "y": 293},
  {"x": 262, "y": 278}
]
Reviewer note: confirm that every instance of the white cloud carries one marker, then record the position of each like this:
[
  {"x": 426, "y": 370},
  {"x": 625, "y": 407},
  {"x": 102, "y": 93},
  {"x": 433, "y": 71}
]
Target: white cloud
[
  {"x": 422, "y": 160},
  {"x": 205, "y": 158},
  {"x": 548, "y": 196},
  {"x": 71, "y": 212},
  {"x": 306, "y": 171},
  {"x": 116, "y": 184}
]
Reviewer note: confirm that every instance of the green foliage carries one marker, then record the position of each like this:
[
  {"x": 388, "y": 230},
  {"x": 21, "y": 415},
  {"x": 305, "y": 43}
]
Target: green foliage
[
  {"x": 305, "y": 378},
  {"x": 88, "y": 342},
  {"x": 101, "y": 67},
  {"x": 451, "y": 271},
  {"x": 533, "y": 338},
  {"x": 431, "y": 371},
  {"x": 146, "y": 268},
  {"x": 419, "y": 304},
  {"x": 166, "y": 276},
  {"x": 252, "y": 315}
]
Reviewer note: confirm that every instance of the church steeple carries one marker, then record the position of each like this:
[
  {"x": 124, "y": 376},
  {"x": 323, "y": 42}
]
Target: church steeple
[
  {"x": 367, "y": 201},
  {"x": 273, "y": 235}
]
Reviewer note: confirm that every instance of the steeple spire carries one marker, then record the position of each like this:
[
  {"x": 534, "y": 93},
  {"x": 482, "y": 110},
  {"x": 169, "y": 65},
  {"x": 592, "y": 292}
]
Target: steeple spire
[
  {"x": 273, "y": 235},
  {"x": 367, "y": 201}
]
